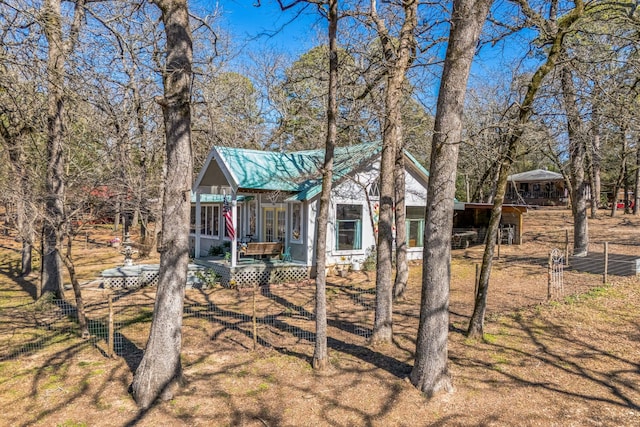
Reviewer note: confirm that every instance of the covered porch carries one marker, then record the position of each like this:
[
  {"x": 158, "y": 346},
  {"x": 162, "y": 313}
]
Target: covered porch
[
  {"x": 243, "y": 207},
  {"x": 247, "y": 227}
]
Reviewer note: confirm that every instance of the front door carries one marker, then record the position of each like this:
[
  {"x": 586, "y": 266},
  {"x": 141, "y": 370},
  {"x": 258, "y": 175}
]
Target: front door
[{"x": 273, "y": 223}]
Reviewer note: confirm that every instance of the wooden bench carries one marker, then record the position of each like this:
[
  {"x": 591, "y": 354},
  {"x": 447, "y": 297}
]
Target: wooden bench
[{"x": 261, "y": 248}]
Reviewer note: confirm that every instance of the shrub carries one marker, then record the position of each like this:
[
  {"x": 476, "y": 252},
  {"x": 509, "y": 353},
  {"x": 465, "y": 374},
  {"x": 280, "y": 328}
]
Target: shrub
[
  {"x": 215, "y": 250},
  {"x": 369, "y": 263},
  {"x": 208, "y": 278}
]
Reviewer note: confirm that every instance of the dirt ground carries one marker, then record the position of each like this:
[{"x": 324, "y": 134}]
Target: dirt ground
[{"x": 573, "y": 362}]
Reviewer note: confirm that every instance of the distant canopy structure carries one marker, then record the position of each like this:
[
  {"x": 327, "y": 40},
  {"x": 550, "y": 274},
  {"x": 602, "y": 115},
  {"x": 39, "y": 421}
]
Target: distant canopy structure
[{"x": 537, "y": 187}]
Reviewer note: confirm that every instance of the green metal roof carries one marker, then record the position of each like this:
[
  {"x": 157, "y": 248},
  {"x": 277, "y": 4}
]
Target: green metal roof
[
  {"x": 268, "y": 170},
  {"x": 416, "y": 163},
  {"x": 345, "y": 161},
  {"x": 294, "y": 172}
]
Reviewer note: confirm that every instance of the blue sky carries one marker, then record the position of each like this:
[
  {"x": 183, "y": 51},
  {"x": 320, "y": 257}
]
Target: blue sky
[
  {"x": 267, "y": 28},
  {"x": 267, "y": 25}
]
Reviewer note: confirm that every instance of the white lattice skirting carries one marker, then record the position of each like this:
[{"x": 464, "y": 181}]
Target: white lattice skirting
[
  {"x": 137, "y": 276},
  {"x": 258, "y": 274}
]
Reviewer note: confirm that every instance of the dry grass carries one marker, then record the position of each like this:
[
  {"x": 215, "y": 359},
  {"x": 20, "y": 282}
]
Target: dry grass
[{"x": 573, "y": 362}]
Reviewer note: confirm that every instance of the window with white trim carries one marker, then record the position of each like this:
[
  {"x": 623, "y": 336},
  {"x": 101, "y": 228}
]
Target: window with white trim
[
  {"x": 210, "y": 220},
  {"x": 348, "y": 227},
  {"x": 296, "y": 222},
  {"x": 273, "y": 224},
  {"x": 253, "y": 218},
  {"x": 415, "y": 226}
]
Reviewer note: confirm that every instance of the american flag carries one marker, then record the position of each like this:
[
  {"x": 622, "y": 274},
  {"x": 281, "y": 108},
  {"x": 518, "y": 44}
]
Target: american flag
[{"x": 228, "y": 218}]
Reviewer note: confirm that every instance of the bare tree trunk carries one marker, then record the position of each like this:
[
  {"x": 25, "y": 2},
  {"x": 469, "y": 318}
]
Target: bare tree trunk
[
  {"x": 476, "y": 324},
  {"x": 25, "y": 226},
  {"x": 144, "y": 220},
  {"x": 621, "y": 173},
  {"x": 478, "y": 193},
  {"x": 320, "y": 355},
  {"x": 494, "y": 184},
  {"x": 576, "y": 159},
  {"x": 594, "y": 157},
  {"x": 24, "y": 221},
  {"x": 626, "y": 195},
  {"x": 116, "y": 216},
  {"x": 82, "y": 318},
  {"x": 430, "y": 373},
  {"x": 135, "y": 217},
  {"x": 383, "y": 322},
  {"x": 402, "y": 268},
  {"x": 58, "y": 49},
  {"x": 142, "y": 184},
  {"x": 399, "y": 59},
  {"x": 26, "y": 260},
  {"x": 54, "y": 184},
  {"x": 160, "y": 371},
  {"x": 636, "y": 187}
]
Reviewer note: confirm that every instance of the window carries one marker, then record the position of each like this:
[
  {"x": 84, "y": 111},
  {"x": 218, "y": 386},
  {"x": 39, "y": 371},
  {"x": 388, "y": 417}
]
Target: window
[
  {"x": 252, "y": 219},
  {"x": 348, "y": 227},
  {"x": 296, "y": 222},
  {"x": 205, "y": 220},
  {"x": 374, "y": 190},
  {"x": 281, "y": 224},
  {"x": 215, "y": 220},
  {"x": 192, "y": 226},
  {"x": 210, "y": 221},
  {"x": 415, "y": 226}
]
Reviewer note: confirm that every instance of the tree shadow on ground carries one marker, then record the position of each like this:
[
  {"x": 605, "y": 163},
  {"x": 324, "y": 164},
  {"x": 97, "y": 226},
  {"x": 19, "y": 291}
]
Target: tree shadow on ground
[
  {"x": 50, "y": 320},
  {"x": 364, "y": 353},
  {"x": 230, "y": 320},
  {"x": 10, "y": 268},
  {"x": 588, "y": 366}
]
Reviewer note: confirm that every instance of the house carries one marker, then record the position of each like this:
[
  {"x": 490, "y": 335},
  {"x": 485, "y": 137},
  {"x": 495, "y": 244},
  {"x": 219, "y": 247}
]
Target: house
[
  {"x": 537, "y": 187},
  {"x": 248, "y": 201}
]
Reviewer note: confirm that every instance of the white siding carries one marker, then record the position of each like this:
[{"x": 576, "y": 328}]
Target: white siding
[
  {"x": 352, "y": 191},
  {"x": 312, "y": 211}
]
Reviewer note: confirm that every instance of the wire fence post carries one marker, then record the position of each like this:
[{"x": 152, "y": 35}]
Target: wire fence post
[
  {"x": 606, "y": 262},
  {"x": 549, "y": 273},
  {"x": 111, "y": 334},
  {"x": 477, "y": 284},
  {"x": 566, "y": 247},
  {"x": 254, "y": 320}
]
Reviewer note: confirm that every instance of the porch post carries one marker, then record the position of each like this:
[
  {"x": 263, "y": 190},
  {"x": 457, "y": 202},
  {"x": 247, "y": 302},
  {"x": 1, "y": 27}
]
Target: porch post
[
  {"x": 234, "y": 221},
  {"x": 196, "y": 249}
]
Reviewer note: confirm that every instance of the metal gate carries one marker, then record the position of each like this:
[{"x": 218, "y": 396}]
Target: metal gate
[{"x": 555, "y": 286}]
